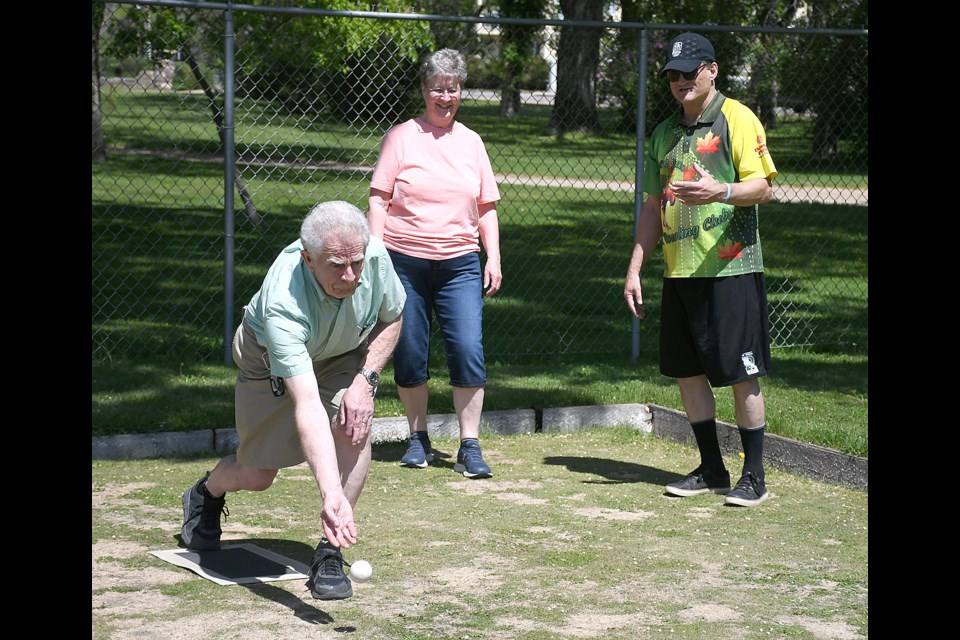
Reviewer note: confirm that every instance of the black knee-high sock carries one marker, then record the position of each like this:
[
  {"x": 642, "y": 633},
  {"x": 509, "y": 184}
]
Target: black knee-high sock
[
  {"x": 752, "y": 440},
  {"x": 706, "y": 434}
]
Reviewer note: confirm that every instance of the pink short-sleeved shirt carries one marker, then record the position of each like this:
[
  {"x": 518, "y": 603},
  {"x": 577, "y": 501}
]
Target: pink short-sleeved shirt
[{"x": 436, "y": 178}]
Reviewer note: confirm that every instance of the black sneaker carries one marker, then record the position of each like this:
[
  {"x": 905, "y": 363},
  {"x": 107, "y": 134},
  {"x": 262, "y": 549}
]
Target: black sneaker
[
  {"x": 699, "y": 481},
  {"x": 749, "y": 492},
  {"x": 470, "y": 461},
  {"x": 419, "y": 453},
  {"x": 201, "y": 518},
  {"x": 327, "y": 581}
]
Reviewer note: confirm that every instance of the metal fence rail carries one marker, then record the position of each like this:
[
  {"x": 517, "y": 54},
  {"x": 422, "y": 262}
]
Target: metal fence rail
[{"x": 215, "y": 128}]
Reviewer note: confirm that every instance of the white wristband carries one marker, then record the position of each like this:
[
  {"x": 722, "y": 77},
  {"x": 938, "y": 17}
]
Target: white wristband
[{"x": 728, "y": 193}]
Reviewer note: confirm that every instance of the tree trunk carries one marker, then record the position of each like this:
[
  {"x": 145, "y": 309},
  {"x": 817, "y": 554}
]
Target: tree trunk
[
  {"x": 211, "y": 95},
  {"x": 516, "y": 50},
  {"x": 99, "y": 154},
  {"x": 770, "y": 105},
  {"x": 825, "y": 130},
  {"x": 509, "y": 103},
  {"x": 578, "y": 56},
  {"x": 767, "y": 73},
  {"x": 766, "y": 91},
  {"x": 825, "y": 133}
]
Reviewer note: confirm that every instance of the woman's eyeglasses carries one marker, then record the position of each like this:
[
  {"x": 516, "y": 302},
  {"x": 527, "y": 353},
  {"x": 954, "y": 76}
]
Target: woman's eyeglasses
[{"x": 674, "y": 76}]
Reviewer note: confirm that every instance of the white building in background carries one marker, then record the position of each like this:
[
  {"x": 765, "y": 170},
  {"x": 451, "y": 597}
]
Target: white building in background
[
  {"x": 549, "y": 53},
  {"x": 545, "y": 48}
]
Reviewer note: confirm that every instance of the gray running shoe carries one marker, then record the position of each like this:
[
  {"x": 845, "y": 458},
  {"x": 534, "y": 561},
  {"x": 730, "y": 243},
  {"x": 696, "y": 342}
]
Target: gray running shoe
[
  {"x": 699, "y": 481},
  {"x": 326, "y": 580}
]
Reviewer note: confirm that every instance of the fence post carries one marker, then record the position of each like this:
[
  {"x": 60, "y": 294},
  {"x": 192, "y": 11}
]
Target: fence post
[
  {"x": 229, "y": 167},
  {"x": 638, "y": 185}
]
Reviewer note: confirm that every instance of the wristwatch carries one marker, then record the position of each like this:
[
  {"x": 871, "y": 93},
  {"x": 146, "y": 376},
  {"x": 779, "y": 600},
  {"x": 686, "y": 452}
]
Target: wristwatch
[{"x": 373, "y": 378}]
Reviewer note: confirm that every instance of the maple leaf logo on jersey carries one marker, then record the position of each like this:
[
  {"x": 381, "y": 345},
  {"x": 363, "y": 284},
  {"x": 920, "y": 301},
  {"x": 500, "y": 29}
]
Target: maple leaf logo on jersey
[
  {"x": 668, "y": 198},
  {"x": 730, "y": 251},
  {"x": 708, "y": 144},
  {"x": 689, "y": 173}
]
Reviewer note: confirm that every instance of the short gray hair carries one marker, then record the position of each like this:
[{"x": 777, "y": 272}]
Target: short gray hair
[
  {"x": 336, "y": 217},
  {"x": 445, "y": 63}
]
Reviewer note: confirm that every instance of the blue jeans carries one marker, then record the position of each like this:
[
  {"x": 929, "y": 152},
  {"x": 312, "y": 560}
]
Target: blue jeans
[{"x": 453, "y": 290}]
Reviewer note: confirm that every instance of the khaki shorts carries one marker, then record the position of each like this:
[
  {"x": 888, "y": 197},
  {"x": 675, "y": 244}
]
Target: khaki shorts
[{"x": 265, "y": 424}]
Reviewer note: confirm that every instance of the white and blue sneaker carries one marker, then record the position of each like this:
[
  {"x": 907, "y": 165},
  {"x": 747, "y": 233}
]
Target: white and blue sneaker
[
  {"x": 470, "y": 460},
  {"x": 419, "y": 453}
]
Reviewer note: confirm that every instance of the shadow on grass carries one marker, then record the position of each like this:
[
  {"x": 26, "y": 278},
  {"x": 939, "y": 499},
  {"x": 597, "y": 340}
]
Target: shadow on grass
[
  {"x": 392, "y": 452},
  {"x": 300, "y": 607},
  {"x": 615, "y": 471},
  {"x": 792, "y": 370}
]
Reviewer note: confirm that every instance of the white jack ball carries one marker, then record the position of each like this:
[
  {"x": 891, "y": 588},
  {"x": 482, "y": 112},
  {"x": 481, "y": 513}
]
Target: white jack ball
[{"x": 360, "y": 571}]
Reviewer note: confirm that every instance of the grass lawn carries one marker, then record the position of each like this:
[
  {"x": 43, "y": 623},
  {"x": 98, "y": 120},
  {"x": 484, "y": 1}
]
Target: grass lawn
[
  {"x": 558, "y": 333},
  {"x": 573, "y": 537}
]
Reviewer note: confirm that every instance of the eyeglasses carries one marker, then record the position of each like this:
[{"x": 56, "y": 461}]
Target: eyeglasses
[
  {"x": 439, "y": 91},
  {"x": 674, "y": 76}
]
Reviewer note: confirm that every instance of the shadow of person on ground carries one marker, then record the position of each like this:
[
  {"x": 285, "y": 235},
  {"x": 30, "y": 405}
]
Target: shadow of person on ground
[{"x": 615, "y": 471}]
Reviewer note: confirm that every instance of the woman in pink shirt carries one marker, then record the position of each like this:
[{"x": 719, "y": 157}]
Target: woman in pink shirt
[{"x": 433, "y": 201}]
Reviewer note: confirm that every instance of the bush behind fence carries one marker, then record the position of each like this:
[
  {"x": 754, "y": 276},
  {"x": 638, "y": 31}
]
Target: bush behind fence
[{"x": 174, "y": 263}]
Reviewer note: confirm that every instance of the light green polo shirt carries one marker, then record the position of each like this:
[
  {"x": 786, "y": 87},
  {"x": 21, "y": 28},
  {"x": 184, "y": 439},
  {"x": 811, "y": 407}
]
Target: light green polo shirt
[{"x": 298, "y": 323}]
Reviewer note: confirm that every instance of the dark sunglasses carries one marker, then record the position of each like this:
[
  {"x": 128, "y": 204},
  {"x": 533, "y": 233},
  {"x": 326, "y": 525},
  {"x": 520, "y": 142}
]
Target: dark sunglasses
[{"x": 674, "y": 76}]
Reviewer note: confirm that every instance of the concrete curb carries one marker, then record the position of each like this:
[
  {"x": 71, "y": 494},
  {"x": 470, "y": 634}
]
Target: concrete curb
[{"x": 807, "y": 460}]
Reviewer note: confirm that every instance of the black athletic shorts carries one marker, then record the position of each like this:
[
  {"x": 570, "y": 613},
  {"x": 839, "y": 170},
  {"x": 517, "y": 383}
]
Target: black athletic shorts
[{"x": 715, "y": 326}]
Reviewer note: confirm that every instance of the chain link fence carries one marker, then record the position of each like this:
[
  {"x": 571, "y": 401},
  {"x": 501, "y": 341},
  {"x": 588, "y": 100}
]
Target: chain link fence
[{"x": 215, "y": 130}]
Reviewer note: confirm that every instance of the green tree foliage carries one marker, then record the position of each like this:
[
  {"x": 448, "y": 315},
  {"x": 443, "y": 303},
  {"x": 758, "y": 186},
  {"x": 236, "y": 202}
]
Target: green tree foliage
[
  {"x": 622, "y": 74},
  {"x": 452, "y": 34},
  {"x": 153, "y": 35},
  {"x": 839, "y": 102},
  {"x": 768, "y": 72},
  {"x": 365, "y": 70},
  {"x": 763, "y": 90}
]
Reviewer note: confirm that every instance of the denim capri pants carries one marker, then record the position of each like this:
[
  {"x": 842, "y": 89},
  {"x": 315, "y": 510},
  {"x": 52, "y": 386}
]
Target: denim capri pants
[{"x": 453, "y": 290}]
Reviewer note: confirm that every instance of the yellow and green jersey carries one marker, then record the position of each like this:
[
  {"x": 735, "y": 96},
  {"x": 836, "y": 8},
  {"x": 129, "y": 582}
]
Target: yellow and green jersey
[{"x": 710, "y": 240}]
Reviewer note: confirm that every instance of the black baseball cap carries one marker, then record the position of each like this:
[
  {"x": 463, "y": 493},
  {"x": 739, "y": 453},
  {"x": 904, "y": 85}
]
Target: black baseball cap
[{"x": 687, "y": 51}]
